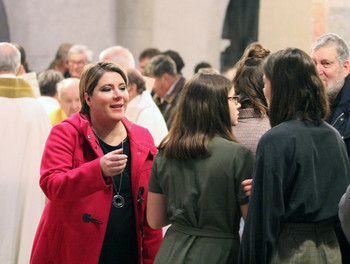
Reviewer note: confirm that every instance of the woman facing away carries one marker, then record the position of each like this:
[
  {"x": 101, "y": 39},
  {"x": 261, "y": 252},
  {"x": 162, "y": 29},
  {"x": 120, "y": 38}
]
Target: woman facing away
[
  {"x": 248, "y": 82},
  {"x": 301, "y": 170},
  {"x": 94, "y": 172},
  {"x": 196, "y": 177}
]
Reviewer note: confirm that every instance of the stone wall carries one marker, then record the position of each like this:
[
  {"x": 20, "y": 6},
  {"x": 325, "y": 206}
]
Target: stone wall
[{"x": 193, "y": 28}]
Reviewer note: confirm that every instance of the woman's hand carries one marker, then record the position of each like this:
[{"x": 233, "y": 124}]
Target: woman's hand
[
  {"x": 113, "y": 163},
  {"x": 247, "y": 186}
]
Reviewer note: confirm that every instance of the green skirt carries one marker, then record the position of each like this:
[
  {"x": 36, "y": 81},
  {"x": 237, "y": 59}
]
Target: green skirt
[{"x": 189, "y": 245}]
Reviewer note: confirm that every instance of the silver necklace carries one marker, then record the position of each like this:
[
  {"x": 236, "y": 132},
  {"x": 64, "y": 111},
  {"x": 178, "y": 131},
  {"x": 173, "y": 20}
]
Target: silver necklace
[{"x": 118, "y": 200}]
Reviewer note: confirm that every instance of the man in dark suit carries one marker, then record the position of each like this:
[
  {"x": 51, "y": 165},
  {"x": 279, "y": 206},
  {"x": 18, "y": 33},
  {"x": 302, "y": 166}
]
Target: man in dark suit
[
  {"x": 168, "y": 85},
  {"x": 331, "y": 56}
]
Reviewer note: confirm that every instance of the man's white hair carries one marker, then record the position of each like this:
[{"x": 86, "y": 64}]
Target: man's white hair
[
  {"x": 81, "y": 49},
  {"x": 119, "y": 55},
  {"x": 10, "y": 58}
]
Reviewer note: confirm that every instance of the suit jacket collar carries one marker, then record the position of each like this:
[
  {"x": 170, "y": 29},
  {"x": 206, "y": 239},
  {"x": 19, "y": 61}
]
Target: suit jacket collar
[{"x": 176, "y": 89}]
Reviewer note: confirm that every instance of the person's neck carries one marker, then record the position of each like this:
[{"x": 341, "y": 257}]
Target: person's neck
[
  {"x": 332, "y": 97},
  {"x": 111, "y": 134},
  {"x": 175, "y": 79},
  {"x": 61, "y": 68}
]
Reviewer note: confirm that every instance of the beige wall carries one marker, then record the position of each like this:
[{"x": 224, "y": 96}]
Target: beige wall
[
  {"x": 41, "y": 26},
  {"x": 338, "y": 18},
  {"x": 193, "y": 28},
  {"x": 298, "y": 23},
  {"x": 285, "y": 24}
]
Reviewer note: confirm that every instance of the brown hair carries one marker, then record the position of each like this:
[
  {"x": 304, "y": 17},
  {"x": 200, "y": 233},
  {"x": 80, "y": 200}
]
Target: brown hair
[
  {"x": 92, "y": 73},
  {"x": 248, "y": 80},
  {"x": 202, "y": 113},
  {"x": 295, "y": 86}
]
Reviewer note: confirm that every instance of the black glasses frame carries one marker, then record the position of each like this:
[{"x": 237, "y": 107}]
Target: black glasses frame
[{"x": 234, "y": 99}]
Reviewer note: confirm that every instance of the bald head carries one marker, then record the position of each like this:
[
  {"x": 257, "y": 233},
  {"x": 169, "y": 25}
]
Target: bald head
[
  {"x": 68, "y": 96},
  {"x": 10, "y": 58},
  {"x": 119, "y": 55}
]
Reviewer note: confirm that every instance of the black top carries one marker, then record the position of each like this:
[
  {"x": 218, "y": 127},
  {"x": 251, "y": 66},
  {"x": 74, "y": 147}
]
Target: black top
[
  {"x": 300, "y": 174},
  {"x": 120, "y": 242}
]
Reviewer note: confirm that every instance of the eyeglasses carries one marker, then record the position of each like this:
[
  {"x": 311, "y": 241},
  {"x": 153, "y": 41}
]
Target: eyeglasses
[
  {"x": 234, "y": 99},
  {"x": 78, "y": 63}
]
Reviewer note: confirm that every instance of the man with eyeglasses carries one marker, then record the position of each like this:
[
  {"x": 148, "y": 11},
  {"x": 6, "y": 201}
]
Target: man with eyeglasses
[{"x": 78, "y": 57}]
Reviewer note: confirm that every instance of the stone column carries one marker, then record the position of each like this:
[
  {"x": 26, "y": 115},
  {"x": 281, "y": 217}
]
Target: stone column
[{"x": 135, "y": 25}]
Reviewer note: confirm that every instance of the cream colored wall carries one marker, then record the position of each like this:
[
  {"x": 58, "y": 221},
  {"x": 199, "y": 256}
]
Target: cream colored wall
[
  {"x": 41, "y": 26},
  {"x": 193, "y": 28},
  {"x": 286, "y": 24},
  {"x": 298, "y": 23},
  {"x": 338, "y": 18}
]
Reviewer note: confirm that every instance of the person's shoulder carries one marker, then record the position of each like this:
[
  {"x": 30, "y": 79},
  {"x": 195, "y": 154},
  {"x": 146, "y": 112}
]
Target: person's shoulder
[
  {"x": 33, "y": 110},
  {"x": 139, "y": 134},
  {"x": 346, "y": 85},
  {"x": 73, "y": 124},
  {"x": 33, "y": 102},
  {"x": 135, "y": 128},
  {"x": 28, "y": 105},
  {"x": 280, "y": 132},
  {"x": 228, "y": 145},
  {"x": 330, "y": 130}
]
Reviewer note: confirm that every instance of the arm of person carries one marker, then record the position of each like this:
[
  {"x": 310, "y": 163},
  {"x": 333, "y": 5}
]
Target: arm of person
[
  {"x": 266, "y": 203},
  {"x": 243, "y": 167},
  {"x": 156, "y": 211},
  {"x": 247, "y": 186},
  {"x": 244, "y": 211},
  {"x": 64, "y": 174},
  {"x": 151, "y": 241},
  {"x": 152, "y": 237},
  {"x": 344, "y": 213}
]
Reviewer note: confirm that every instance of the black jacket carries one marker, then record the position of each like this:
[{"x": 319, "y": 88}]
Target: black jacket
[{"x": 340, "y": 119}]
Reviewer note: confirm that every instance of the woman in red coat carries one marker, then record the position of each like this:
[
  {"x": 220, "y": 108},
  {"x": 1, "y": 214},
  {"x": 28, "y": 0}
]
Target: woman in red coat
[{"x": 94, "y": 172}]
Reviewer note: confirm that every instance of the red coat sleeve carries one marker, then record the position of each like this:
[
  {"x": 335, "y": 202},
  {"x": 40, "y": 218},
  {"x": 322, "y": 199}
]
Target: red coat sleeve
[{"x": 68, "y": 169}]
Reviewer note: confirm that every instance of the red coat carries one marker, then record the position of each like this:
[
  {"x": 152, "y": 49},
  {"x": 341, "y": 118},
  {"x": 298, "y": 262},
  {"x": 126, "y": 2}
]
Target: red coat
[{"x": 72, "y": 180}]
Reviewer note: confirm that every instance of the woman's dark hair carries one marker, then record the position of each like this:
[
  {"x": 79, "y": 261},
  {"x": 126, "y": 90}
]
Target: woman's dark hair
[
  {"x": 176, "y": 58},
  {"x": 24, "y": 62},
  {"x": 202, "y": 113},
  {"x": 201, "y": 65},
  {"x": 90, "y": 76},
  {"x": 135, "y": 77},
  {"x": 295, "y": 86},
  {"x": 248, "y": 80}
]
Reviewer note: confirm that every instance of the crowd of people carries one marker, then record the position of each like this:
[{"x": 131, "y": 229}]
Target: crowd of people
[{"x": 136, "y": 164}]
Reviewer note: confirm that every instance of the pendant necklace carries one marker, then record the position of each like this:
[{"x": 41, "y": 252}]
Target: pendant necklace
[{"x": 118, "y": 200}]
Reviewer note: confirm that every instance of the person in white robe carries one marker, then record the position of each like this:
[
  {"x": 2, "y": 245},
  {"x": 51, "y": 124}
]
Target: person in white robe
[
  {"x": 142, "y": 109},
  {"x": 24, "y": 128}
]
